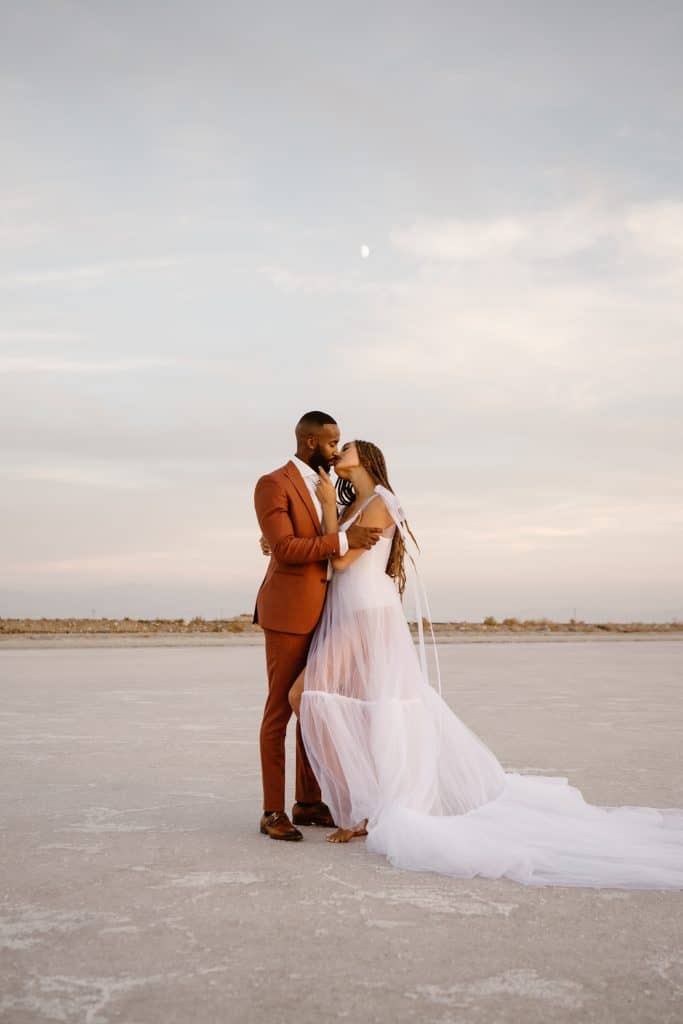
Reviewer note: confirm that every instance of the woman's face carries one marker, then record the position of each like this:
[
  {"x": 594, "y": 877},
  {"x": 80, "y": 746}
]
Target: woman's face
[{"x": 347, "y": 460}]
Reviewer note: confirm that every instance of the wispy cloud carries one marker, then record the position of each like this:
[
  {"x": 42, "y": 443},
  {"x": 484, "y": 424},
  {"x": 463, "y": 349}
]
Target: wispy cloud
[
  {"x": 40, "y": 364},
  {"x": 653, "y": 228},
  {"x": 88, "y": 274},
  {"x": 22, "y": 335},
  {"x": 311, "y": 282},
  {"x": 100, "y": 474},
  {"x": 53, "y": 364}
]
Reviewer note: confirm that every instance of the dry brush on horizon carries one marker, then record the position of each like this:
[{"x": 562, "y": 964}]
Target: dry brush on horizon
[{"x": 243, "y": 624}]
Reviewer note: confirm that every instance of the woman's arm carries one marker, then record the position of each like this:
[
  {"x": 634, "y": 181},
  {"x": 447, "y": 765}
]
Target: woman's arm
[
  {"x": 375, "y": 514},
  {"x": 330, "y": 517},
  {"x": 327, "y": 496}
]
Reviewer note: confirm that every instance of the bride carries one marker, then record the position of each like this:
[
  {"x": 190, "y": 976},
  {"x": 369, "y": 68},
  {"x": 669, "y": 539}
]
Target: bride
[{"x": 396, "y": 764}]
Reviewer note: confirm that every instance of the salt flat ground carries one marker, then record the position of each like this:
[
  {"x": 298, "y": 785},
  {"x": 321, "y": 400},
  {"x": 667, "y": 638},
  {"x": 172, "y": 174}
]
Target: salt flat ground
[{"x": 136, "y": 887}]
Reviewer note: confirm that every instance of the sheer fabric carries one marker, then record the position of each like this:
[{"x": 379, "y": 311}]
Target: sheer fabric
[{"x": 386, "y": 747}]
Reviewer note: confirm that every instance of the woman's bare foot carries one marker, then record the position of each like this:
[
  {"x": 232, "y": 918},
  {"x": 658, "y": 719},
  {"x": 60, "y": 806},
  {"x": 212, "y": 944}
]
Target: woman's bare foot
[{"x": 345, "y": 835}]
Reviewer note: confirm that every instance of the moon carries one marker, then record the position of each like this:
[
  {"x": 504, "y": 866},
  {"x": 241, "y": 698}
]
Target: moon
[{"x": 364, "y": 251}]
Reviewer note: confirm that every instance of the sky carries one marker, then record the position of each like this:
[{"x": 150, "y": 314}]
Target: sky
[{"x": 184, "y": 193}]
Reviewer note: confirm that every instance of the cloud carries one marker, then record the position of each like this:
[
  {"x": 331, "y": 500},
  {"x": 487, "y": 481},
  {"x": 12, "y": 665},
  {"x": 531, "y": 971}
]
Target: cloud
[
  {"x": 66, "y": 366},
  {"x": 94, "y": 473},
  {"x": 656, "y": 229},
  {"x": 42, "y": 364},
  {"x": 88, "y": 274},
  {"x": 310, "y": 282},
  {"x": 571, "y": 309},
  {"x": 20, "y": 336}
]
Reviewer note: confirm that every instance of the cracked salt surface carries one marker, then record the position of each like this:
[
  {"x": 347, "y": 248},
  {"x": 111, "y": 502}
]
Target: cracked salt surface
[
  {"x": 669, "y": 966},
  {"x": 204, "y": 879},
  {"x": 73, "y": 847},
  {"x": 112, "y": 918},
  {"x": 521, "y": 983},
  {"x": 63, "y": 998},
  {"x": 379, "y": 923},
  {"x": 29, "y": 925},
  {"x": 122, "y": 929},
  {"x": 433, "y": 898},
  {"x": 99, "y": 820}
]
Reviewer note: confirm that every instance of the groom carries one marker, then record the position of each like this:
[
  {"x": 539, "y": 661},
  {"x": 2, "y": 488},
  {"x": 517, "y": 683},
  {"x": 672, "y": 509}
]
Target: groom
[{"x": 289, "y": 605}]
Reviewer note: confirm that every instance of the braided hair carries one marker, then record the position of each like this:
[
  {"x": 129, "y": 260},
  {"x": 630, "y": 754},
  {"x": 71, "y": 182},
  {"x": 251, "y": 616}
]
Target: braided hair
[{"x": 372, "y": 459}]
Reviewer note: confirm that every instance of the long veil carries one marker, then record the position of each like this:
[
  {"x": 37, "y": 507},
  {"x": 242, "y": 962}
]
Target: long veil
[{"x": 423, "y": 615}]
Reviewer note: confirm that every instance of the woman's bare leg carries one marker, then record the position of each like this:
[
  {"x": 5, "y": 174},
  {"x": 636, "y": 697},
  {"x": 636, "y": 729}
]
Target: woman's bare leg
[
  {"x": 295, "y": 693},
  {"x": 342, "y": 835}
]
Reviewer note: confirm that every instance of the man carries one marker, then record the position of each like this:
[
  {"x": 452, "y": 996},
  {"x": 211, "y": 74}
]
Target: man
[{"x": 288, "y": 607}]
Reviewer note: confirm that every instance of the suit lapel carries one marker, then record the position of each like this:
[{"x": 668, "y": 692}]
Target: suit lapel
[{"x": 303, "y": 492}]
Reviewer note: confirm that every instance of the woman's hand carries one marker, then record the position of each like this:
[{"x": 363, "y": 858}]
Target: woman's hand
[{"x": 325, "y": 491}]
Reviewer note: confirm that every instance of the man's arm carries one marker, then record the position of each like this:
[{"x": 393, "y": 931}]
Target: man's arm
[{"x": 272, "y": 511}]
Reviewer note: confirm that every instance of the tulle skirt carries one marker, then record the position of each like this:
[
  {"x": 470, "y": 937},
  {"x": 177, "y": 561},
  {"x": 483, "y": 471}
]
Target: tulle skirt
[{"x": 387, "y": 748}]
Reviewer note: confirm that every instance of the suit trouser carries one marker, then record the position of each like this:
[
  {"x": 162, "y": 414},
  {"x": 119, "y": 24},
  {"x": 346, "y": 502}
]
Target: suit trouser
[{"x": 286, "y": 655}]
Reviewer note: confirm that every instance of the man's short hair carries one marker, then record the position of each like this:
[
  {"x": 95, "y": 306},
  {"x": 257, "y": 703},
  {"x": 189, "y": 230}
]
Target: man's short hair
[{"x": 315, "y": 420}]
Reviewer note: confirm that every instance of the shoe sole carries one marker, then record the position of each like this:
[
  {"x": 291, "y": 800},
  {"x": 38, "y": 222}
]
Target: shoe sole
[{"x": 283, "y": 839}]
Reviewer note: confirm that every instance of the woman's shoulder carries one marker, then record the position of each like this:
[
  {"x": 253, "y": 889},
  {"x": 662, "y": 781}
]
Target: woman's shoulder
[
  {"x": 391, "y": 503},
  {"x": 376, "y": 513}
]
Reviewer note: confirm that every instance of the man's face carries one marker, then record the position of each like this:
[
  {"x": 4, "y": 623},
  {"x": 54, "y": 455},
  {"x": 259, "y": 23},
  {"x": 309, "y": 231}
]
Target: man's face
[{"x": 325, "y": 447}]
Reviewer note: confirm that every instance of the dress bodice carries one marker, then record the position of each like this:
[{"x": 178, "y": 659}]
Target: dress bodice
[
  {"x": 365, "y": 582},
  {"x": 382, "y": 548}
]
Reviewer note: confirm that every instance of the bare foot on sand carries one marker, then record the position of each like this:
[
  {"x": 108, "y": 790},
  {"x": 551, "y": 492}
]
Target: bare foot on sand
[{"x": 345, "y": 835}]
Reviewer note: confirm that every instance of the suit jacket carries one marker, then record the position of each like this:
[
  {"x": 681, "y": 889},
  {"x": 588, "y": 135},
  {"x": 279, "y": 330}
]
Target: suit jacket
[{"x": 291, "y": 597}]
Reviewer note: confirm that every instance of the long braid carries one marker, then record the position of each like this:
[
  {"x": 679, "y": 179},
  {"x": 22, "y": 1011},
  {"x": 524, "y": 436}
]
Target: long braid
[{"x": 372, "y": 459}]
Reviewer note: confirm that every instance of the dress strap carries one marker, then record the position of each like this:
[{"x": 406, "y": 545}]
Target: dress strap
[{"x": 345, "y": 526}]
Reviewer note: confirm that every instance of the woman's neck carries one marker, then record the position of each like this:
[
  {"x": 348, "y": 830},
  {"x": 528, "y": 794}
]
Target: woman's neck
[{"x": 364, "y": 487}]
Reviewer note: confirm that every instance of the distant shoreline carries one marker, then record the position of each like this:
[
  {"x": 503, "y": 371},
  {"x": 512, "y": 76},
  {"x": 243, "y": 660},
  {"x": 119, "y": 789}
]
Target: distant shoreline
[
  {"x": 240, "y": 631},
  {"x": 240, "y": 624}
]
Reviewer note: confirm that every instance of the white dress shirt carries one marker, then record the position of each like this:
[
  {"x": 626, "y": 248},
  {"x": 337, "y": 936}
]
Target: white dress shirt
[{"x": 311, "y": 479}]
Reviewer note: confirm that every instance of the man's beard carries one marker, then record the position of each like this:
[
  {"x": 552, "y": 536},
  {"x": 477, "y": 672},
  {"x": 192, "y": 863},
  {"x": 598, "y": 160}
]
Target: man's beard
[{"x": 318, "y": 461}]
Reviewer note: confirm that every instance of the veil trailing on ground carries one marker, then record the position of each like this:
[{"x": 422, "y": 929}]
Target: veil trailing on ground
[{"x": 387, "y": 748}]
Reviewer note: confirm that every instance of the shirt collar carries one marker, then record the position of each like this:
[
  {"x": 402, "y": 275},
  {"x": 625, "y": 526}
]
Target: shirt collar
[{"x": 304, "y": 469}]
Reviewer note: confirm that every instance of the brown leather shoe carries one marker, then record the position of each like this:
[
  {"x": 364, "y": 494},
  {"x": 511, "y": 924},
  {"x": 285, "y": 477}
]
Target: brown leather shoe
[
  {"x": 316, "y": 814},
  {"x": 278, "y": 826}
]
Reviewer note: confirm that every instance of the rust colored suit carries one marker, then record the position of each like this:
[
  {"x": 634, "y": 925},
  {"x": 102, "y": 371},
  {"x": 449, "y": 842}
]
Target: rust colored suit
[{"x": 288, "y": 606}]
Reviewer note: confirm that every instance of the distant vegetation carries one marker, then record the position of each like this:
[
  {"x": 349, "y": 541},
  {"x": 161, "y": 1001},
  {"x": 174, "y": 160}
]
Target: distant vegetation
[
  {"x": 491, "y": 625},
  {"x": 238, "y": 624},
  {"x": 243, "y": 624}
]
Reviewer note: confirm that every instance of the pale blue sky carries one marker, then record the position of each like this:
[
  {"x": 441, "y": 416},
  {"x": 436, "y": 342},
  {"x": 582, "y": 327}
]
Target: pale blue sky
[{"x": 185, "y": 190}]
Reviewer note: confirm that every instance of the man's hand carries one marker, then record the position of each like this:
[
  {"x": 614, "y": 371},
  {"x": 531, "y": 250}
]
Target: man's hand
[
  {"x": 265, "y": 546},
  {"x": 363, "y": 536}
]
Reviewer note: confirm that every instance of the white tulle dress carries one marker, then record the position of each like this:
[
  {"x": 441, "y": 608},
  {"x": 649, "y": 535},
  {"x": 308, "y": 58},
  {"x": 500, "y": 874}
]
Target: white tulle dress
[{"x": 386, "y": 747}]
